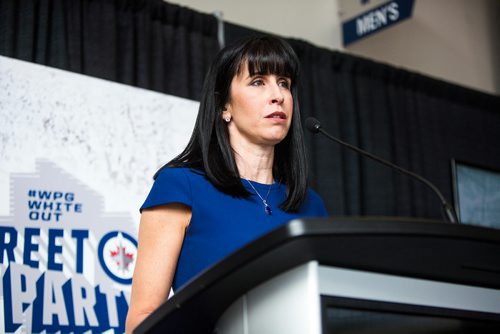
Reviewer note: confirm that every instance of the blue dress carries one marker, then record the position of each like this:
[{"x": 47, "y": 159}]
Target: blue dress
[{"x": 220, "y": 223}]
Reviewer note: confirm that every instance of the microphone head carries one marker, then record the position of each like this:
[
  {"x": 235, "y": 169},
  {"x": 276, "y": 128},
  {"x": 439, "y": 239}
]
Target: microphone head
[{"x": 313, "y": 125}]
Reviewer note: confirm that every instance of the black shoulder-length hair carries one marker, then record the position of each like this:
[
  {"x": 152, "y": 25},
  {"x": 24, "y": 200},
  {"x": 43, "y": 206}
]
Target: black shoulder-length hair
[{"x": 209, "y": 150}]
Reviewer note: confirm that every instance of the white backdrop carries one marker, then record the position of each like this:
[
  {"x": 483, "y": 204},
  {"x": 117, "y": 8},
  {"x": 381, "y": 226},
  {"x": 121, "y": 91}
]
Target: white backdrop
[{"x": 77, "y": 156}]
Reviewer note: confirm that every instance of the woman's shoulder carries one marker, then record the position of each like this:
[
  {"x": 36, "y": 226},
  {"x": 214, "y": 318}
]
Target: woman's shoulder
[
  {"x": 186, "y": 173},
  {"x": 315, "y": 202},
  {"x": 313, "y": 194},
  {"x": 174, "y": 184},
  {"x": 188, "y": 178}
]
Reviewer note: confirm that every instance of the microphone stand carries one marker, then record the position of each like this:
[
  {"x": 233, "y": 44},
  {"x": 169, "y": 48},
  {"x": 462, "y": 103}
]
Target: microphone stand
[{"x": 448, "y": 209}]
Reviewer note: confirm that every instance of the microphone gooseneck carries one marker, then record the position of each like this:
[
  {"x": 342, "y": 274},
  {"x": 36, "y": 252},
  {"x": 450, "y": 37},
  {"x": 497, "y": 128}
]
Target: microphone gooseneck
[{"x": 313, "y": 125}]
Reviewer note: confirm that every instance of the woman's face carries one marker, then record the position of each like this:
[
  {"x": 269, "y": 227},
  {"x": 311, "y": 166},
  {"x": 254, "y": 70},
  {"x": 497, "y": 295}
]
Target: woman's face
[{"x": 260, "y": 107}]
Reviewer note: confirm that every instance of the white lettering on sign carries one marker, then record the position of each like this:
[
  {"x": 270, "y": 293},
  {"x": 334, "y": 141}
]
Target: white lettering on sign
[{"x": 376, "y": 19}]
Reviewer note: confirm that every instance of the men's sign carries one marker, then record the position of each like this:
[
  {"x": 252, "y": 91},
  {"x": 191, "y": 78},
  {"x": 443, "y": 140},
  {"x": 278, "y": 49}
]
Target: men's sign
[{"x": 376, "y": 19}]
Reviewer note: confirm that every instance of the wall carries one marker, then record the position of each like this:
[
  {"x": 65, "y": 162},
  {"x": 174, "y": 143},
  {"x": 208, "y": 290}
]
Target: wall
[
  {"x": 452, "y": 40},
  {"x": 315, "y": 20}
]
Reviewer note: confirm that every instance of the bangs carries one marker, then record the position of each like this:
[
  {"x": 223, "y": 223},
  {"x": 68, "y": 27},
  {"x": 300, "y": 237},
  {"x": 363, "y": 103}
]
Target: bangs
[{"x": 270, "y": 57}]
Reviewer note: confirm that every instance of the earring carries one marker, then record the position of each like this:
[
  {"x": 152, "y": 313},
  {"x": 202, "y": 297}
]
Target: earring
[{"x": 227, "y": 119}]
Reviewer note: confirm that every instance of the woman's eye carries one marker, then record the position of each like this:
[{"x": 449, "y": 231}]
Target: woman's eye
[
  {"x": 257, "y": 82},
  {"x": 284, "y": 84}
]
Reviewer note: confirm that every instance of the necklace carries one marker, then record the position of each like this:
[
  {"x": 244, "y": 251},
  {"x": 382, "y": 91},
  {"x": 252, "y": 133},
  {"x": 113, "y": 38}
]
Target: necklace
[{"x": 267, "y": 208}]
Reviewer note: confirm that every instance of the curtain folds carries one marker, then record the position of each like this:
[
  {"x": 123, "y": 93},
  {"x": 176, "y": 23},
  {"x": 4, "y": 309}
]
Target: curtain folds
[{"x": 145, "y": 43}]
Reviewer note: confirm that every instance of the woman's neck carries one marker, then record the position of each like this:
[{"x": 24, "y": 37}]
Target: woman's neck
[{"x": 255, "y": 162}]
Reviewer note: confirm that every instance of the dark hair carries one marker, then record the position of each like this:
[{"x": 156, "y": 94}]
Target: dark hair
[{"x": 209, "y": 149}]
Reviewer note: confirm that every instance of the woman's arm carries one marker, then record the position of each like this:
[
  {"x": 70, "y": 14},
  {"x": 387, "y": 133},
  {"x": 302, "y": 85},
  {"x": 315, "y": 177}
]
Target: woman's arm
[{"x": 161, "y": 232}]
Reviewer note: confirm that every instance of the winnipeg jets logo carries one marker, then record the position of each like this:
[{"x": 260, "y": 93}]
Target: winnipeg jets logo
[
  {"x": 117, "y": 254},
  {"x": 122, "y": 258}
]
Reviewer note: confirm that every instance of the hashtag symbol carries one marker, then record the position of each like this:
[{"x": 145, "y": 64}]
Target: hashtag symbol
[{"x": 32, "y": 193}]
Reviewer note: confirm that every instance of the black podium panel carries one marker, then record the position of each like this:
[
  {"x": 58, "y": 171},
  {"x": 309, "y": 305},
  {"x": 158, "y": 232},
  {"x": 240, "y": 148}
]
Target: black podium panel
[{"x": 425, "y": 249}]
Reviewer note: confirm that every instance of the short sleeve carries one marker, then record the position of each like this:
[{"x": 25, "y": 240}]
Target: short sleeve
[{"x": 171, "y": 186}]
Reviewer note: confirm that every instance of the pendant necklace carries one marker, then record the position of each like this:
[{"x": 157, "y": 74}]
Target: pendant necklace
[{"x": 267, "y": 208}]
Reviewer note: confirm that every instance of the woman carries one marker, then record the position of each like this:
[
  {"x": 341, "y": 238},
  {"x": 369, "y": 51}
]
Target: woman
[{"x": 242, "y": 174}]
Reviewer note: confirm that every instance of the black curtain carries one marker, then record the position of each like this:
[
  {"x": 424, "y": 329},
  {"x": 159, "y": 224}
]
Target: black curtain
[
  {"x": 145, "y": 43},
  {"x": 415, "y": 121}
]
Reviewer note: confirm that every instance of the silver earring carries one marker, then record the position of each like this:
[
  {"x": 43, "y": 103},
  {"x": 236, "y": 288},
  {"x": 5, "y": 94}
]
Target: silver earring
[{"x": 227, "y": 119}]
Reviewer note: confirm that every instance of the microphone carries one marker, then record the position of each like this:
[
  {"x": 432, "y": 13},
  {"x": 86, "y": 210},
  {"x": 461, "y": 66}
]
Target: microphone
[{"x": 313, "y": 125}]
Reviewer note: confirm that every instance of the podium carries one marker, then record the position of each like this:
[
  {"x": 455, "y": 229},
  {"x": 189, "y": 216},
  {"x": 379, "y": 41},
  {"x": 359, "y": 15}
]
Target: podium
[{"x": 346, "y": 275}]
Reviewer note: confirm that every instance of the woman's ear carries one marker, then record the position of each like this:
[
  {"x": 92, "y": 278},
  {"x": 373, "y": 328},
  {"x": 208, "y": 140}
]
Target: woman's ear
[{"x": 226, "y": 115}]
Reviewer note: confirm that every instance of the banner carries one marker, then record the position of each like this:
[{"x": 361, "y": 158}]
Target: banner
[{"x": 77, "y": 155}]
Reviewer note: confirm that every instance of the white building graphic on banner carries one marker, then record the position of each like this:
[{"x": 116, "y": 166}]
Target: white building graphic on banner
[{"x": 66, "y": 264}]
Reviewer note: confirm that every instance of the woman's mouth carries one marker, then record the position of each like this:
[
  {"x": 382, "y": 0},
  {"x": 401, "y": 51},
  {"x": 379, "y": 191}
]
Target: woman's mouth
[{"x": 277, "y": 115}]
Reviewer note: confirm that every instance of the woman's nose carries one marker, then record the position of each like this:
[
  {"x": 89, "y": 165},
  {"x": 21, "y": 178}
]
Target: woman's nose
[{"x": 277, "y": 95}]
